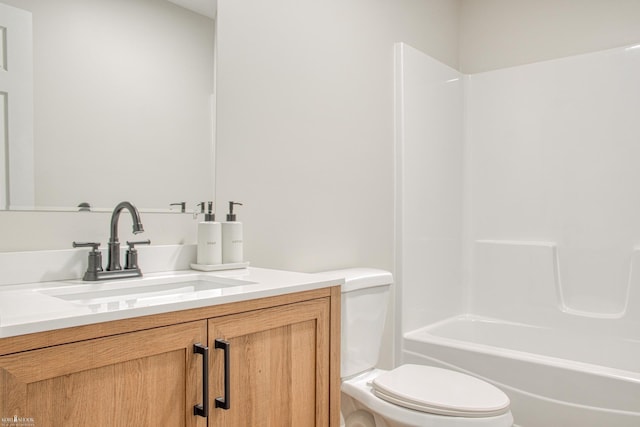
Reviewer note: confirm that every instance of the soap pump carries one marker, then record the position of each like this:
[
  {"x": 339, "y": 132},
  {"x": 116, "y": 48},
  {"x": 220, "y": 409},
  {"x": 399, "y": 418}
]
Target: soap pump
[
  {"x": 232, "y": 238},
  {"x": 209, "y": 238}
]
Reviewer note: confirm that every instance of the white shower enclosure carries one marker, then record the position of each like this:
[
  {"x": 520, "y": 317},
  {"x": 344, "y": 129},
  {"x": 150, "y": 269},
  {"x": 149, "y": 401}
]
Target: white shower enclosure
[{"x": 518, "y": 230}]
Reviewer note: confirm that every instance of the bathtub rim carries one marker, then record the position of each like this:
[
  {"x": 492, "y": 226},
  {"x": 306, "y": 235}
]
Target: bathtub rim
[
  {"x": 557, "y": 362},
  {"x": 512, "y": 389}
]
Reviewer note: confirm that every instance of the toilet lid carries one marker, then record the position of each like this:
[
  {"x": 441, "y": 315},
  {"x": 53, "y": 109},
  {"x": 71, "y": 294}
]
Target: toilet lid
[{"x": 440, "y": 391}]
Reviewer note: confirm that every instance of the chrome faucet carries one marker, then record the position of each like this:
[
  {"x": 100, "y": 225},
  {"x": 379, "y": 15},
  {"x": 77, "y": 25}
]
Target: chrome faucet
[
  {"x": 114, "y": 244},
  {"x": 114, "y": 270}
]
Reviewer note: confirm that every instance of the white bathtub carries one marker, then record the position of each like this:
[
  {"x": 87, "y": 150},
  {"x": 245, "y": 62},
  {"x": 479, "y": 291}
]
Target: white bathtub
[{"x": 554, "y": 377}]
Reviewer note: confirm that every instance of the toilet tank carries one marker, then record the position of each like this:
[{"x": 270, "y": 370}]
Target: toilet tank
[{"x": 365, "y": 297}]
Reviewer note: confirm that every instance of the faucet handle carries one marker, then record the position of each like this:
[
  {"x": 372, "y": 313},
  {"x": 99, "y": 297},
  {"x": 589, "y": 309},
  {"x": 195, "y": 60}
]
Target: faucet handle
[
  {"x": 131, "y": 257},
  {"x": 94, "y": 265},
  {"x": 87, "y": 245},
  {"x": 183, "y": 206},
  {"x": 140, "y": 242}
]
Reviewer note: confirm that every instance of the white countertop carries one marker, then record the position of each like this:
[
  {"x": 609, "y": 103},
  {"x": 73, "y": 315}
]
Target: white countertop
[{"x": 45, "y": 306}]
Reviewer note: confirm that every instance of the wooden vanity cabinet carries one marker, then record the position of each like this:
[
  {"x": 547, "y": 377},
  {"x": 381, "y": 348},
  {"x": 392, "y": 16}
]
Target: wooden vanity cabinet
[
  {"x": 145, "y": 378},
  {"x": 279, "y": 355},
  {"x": 277, "y": 367}
]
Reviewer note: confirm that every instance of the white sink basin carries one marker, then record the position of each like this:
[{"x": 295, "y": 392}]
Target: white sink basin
[{"x": 131, "y": 293}]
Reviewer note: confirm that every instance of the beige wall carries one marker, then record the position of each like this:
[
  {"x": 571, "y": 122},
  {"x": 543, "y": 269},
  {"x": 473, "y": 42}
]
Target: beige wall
[{"x": 503, "y": 33}]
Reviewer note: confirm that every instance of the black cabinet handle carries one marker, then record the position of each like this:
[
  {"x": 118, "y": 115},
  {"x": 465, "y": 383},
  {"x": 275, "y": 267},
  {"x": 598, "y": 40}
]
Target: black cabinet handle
[
  {"x": 224, "y": 402},
  {"x": 203, "y": 410}
]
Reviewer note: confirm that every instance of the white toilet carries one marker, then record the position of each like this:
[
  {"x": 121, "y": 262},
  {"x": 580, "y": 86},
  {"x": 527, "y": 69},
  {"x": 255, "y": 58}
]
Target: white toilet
[{"x": 409, "y": 395}]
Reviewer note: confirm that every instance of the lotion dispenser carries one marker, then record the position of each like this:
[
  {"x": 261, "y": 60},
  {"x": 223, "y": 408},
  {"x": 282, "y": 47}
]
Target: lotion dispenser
[
  {"x": 232, "y": 238},
  {"x": 209, "y": 238}
]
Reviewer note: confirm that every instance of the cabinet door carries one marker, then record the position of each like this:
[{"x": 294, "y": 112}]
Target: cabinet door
[
  {"x": 147, "y": 378},
  {"x": 278, "y": 367}
]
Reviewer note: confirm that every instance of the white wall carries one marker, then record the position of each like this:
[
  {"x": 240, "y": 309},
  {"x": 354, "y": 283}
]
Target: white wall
[
  {"x": 429, "y": 184},
  {"x": 32, "y": 231},
  {"x": 305, "y": 123},
  {"x": 502, "y": 33}
]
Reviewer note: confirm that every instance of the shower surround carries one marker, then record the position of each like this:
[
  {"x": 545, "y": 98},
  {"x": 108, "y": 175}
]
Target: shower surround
[{"x": 518, "y": 230}]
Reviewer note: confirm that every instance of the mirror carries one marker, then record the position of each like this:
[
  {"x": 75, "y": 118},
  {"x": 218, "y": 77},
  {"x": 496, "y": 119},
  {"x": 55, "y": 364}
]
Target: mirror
[{"x": 122, "y": 103}]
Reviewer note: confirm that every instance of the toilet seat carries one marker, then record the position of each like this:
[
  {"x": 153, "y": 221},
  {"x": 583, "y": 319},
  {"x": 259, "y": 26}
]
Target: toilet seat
[
  {"x": 357, "y": 394},
  {"x": 440, "y": 391}
]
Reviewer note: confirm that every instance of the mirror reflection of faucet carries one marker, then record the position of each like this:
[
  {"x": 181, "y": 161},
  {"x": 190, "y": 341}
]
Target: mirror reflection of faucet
[
  {"x": 183, "y": 206},
  {"x": 114, "y": 269}
]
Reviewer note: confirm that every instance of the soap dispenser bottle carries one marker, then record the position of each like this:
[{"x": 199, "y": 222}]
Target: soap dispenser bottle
[
  {"x": 232, "y": 238},
  {"x": 209, "y": 238}
]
